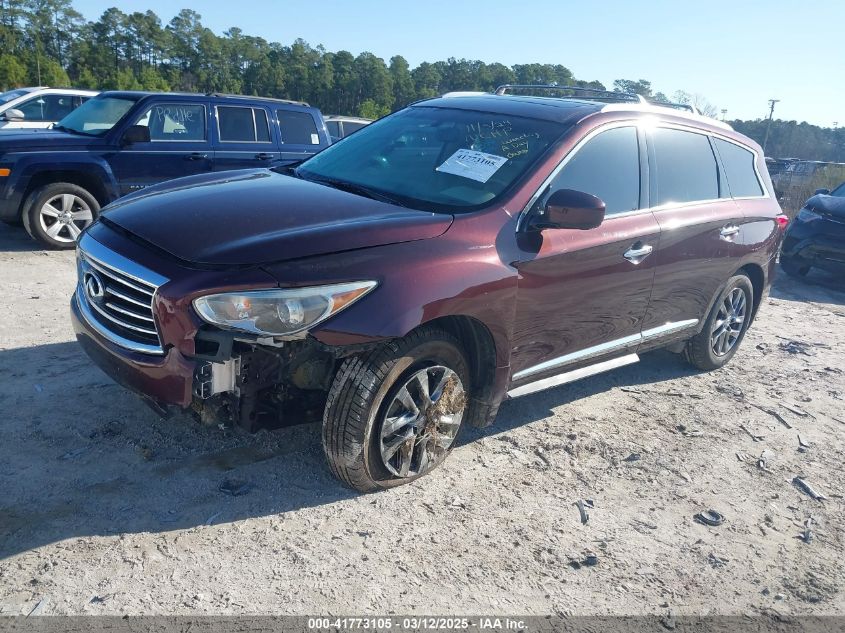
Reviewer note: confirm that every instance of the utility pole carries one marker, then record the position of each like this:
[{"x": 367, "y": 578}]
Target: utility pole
[
  {"x": 724, "y": 114},
  {"x": 772, "y": 103}
]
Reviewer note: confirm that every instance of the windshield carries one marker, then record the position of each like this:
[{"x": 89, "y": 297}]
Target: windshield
[
  {"x": 436, "y": 159},
  {"x": 839, "y": 191},
  {"x": 96, "y": 116},
  {"x": 5, "y": 97}
]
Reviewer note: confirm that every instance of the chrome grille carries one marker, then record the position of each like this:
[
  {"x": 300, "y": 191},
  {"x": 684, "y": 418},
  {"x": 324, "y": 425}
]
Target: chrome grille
[{"x": 116, "y": 297}]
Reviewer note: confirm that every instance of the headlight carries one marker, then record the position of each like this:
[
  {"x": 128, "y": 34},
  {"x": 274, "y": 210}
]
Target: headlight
[
  {"x": 279, "y": 312},
  {"x": 806, "y": 215}
]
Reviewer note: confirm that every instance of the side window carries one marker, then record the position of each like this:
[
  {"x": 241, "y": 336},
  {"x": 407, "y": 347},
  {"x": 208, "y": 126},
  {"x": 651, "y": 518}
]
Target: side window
[
  {"x": 50, "y": 107},
  {"x": 298, "y": 128},
  {"x": 238, "y": 124},
  {"x": 686, "y": 167},
  {"x": 332, "y": 126},
  {"x": 739, "y": 167},
  {"x": 174, "y": 122},
  {"x": 349, "y": 127},
  {"x": 607, "y": 166},
  {"x": 262, "y": 128}
]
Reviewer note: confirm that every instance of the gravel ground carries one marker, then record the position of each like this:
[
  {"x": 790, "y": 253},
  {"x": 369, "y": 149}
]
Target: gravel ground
[{"x": 106, "y": 509}]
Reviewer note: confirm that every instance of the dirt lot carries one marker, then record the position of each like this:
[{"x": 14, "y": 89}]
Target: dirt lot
[{"x": 106, "y": 509}]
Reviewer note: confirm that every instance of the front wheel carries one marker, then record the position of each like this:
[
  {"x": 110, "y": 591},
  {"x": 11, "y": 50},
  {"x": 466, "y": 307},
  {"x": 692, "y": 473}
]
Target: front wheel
[
  {"x": 725, "y": 327},
  {"x": 394, "y": 414},
  {"x": 57, "y": 214}
]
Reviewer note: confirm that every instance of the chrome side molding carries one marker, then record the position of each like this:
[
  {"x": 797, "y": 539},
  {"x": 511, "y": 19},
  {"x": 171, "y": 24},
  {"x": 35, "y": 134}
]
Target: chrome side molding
[
  {"x": 606, "y": 348},
  {"x": 570, "y": 376}
]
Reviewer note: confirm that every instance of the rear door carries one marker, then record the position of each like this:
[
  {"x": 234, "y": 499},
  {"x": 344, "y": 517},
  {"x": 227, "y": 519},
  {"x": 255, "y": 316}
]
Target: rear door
[
  {"x": 302, "y": 132},
  {"x": 244, "y": 138},
  {"x": 179, "y": 146},
  {"x": 700, "y": 225},
  {"x": 583, "y": 294}
]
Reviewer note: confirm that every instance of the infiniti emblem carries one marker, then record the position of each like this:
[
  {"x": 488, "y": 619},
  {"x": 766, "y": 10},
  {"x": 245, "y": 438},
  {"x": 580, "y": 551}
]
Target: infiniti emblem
[{"x": 94, "y": 288}]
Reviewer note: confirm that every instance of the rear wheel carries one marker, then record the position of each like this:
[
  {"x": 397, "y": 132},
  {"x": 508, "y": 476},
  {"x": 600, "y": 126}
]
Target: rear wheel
[
  {"x": 725, "y": 327},
  {"x": 57, "y": 214},
  {"x": 794, "y": 267},
  {"x": 394, "y": 414}
]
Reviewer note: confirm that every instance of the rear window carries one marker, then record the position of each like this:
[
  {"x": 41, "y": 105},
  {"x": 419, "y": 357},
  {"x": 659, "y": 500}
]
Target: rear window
[
  {"x": 686, "y": 167},
  {"x": 242, "y": 125},
  {"x": 298, "y": 128},
  {"x": 739, "y": 168}
]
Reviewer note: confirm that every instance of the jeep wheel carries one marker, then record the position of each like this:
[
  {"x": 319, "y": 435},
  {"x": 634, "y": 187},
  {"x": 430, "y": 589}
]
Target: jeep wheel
[
  {"x": 57, "y": 213},
  {"x": 394, "y": 414},
  {"x": 725, "y": 327},
  {"x": 794, "y": 267}
]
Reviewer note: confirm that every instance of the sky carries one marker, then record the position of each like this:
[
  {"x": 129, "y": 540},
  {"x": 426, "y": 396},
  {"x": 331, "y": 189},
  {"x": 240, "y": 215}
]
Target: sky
[{"x": 737, "y": 54}]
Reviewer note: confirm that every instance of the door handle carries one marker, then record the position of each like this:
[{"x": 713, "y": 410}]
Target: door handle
[
  {"x": 264, "y": 156},
  {"x": 728, "y": 232},
  {"x": 638, "y": 252},
  {"x": 196, "y": 156}
]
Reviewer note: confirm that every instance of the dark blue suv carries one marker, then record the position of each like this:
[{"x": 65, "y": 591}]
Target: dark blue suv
[{"x": 55, "y": 181}]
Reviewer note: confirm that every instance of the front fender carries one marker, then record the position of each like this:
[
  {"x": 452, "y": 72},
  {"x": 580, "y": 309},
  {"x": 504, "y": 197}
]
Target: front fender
[{"x": 27, "y": 166}]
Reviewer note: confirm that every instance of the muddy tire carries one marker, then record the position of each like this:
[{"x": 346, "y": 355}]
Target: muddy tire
[
  {"x": 56, "y": 214},
  {"x": 725, "y": 327},
  {"x": 394, "y": 414}
]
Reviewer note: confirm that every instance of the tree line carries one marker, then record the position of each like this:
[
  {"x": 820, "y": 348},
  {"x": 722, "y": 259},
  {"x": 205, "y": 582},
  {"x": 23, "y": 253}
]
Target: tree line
[{"x": 48, "y": 42}]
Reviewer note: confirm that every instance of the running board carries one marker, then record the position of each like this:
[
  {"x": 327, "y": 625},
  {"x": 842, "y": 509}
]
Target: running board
[{"x": 570, "y": 376}]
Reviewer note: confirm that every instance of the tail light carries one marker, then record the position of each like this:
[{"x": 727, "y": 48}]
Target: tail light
[{"x": 782, "y": 221}]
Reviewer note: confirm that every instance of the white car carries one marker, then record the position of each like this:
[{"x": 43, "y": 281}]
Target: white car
[{"x": 28, "y": 108}]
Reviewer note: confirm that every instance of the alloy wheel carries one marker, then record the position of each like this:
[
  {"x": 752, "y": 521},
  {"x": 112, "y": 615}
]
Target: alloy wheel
[
  {"x": 729, "y": 322},
  {"x": 422, "y": 421},
  {"x": 64, "y": 216}
]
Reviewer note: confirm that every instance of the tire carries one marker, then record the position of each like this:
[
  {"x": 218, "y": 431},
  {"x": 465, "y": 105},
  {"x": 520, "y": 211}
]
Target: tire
[
  {"x": 707, "y": 352},
  {"x": 369, "y": 392},
  {"x": 794, "y": 267},
  {"x": 61, "y": 205}
]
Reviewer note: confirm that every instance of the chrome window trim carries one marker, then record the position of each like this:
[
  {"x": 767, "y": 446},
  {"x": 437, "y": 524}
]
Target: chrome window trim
[
  {"x": 606, "y": 348},
  {"x": 648, "y": 123}
]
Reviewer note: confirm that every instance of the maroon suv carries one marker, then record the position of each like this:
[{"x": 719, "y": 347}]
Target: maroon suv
[{"x": 403, "y": 282}]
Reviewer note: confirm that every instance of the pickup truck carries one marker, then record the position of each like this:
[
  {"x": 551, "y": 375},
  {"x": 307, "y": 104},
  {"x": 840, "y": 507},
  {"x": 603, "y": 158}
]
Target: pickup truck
[{"x": 55, "y": 181}]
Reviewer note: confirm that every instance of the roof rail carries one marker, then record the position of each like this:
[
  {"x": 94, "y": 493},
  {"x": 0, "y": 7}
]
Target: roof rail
[
  {"x": 588, "y": 93},
  {"x": 677, "y": 106},
  {"x": 224, "y": 94}
]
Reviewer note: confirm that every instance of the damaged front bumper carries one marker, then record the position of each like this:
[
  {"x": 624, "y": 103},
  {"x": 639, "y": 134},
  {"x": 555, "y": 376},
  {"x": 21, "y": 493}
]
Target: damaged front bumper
[{"x": 238, "y": 382}]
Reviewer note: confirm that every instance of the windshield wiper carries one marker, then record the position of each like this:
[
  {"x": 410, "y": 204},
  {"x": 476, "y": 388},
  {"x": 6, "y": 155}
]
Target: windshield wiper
[
  {"x": 70, "y": 130},
  {"x": 351, "y": 187}
]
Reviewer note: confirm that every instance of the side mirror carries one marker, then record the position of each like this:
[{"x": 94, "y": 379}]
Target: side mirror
[
  {"x": 570, "y": 209},
  {"x": 13, "y": 114},
  {"x": 821, "y": 192},
  {"x": 136, "y": 134}
]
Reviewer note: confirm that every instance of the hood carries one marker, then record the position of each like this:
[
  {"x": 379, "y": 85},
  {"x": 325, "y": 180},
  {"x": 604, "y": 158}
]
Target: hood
[
  {"x": 827, "y": 205},
  {"x": 259, "y": 216},
  {"x": 23, "y": 140}
]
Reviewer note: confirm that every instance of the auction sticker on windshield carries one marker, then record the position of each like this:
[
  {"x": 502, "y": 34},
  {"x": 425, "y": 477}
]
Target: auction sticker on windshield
[{"x": 471, "y": 164}]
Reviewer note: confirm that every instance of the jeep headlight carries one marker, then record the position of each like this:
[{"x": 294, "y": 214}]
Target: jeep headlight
[{"x": 279, "y": 311}]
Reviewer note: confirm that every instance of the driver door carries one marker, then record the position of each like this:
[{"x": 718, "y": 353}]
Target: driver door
[
  {"x": 583, "y": 294},
  {"x": 179, "y": 146}
]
